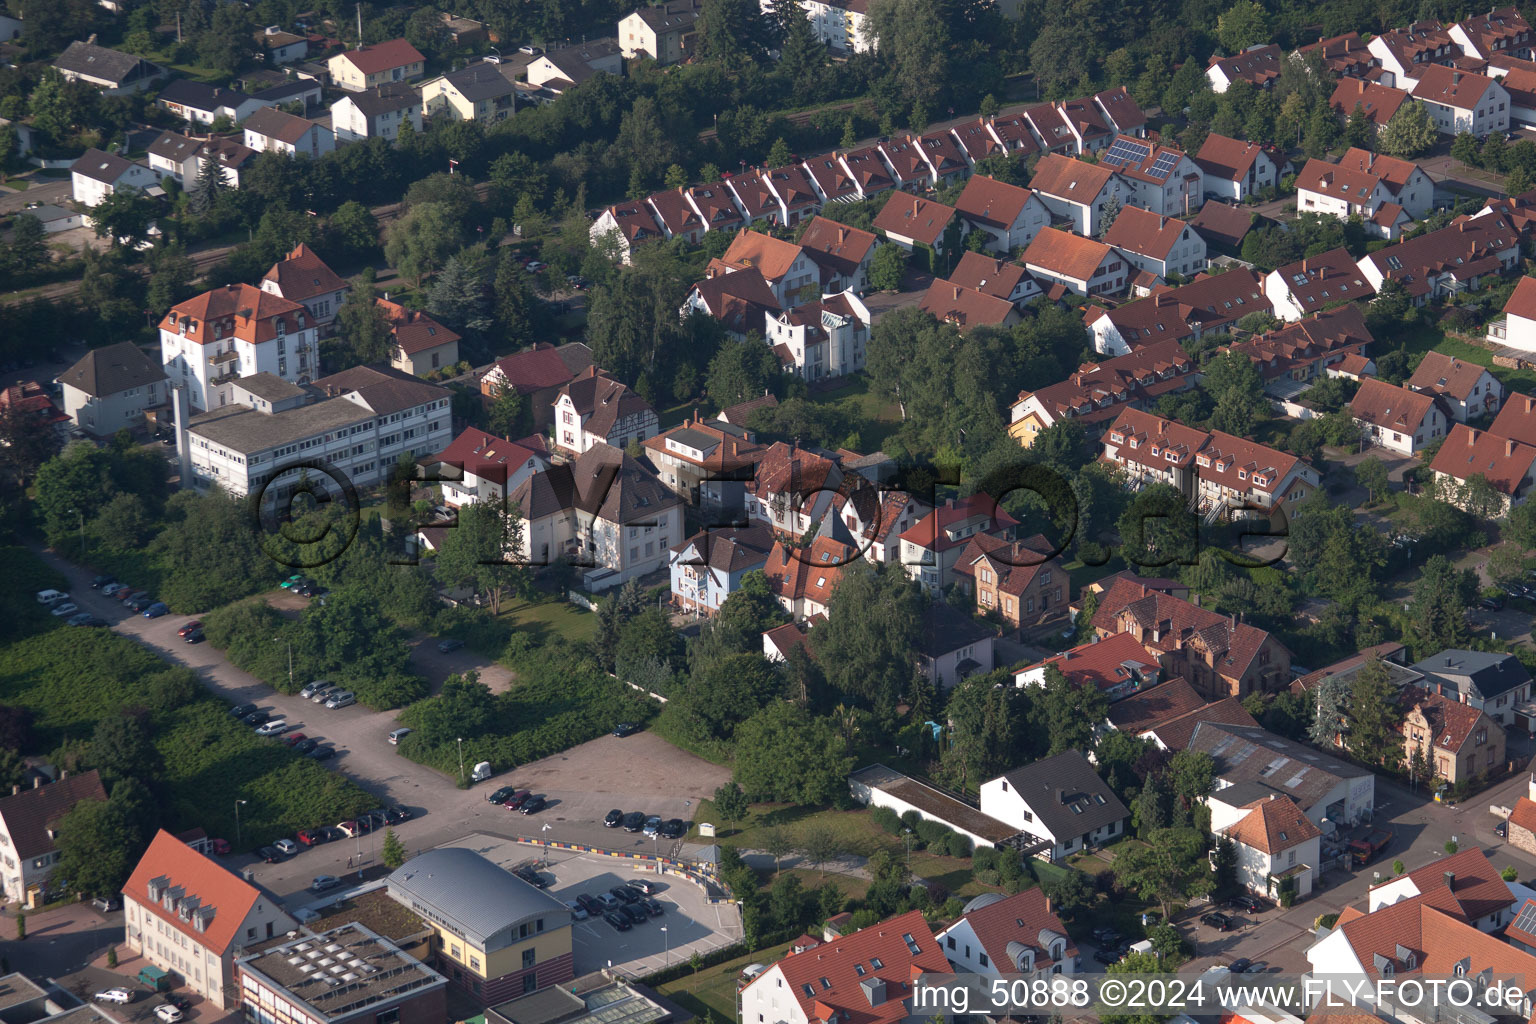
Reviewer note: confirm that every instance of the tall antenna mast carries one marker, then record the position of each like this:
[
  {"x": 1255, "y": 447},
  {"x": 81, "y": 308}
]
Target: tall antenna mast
[{"x": 359, "y": 26}]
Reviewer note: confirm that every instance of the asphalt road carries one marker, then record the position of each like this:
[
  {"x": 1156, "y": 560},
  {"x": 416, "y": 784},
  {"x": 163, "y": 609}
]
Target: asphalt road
[
  {"x": 56, "y": 193},
  {"x": 641, "y": 772}
]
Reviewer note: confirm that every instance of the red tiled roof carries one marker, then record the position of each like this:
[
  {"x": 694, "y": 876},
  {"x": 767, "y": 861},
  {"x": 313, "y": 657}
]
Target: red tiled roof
[
  {"x": 675, "y": 213},
  {"x": 868, "y": 168},
  {"x": 1385, "y": 651},
  {"x": 1145, "y": 709},
  {"x": 771, "y": 256},
  {"x": 754, "y": 195},
  {"x": 931, "y": 532},
  {"x": 1083, "y": 115},
  {"x": 1390, "y": 406},
  {"x": 909, "y": 216},
  {"x": 976, "y": 140},
  {"x": 1451, "y": 723},
  {"x": 787, "y": 469},
  {"x": 1447, "y": 375},
  {"x": 830, "y": 177},
  {"x": 413, "y": 330},
  {"x": 1102, "y": 664},
  {"x": 1333, "y": 272},
  {"x": 728, "y": 451},
  {"x": 1305, "y": 344},
  {"x": 905, "y": 155},
  {"x": 1522, "y": 301},
  {"x": 1378, "y": 101},
  {"x": 537, "y": 368},
  {"x": 1016, "y": 134},
  {"x": 1524, "y": 814},
  {"x": 1050, "y": 126},
  {"x": 1394, "y": 172},
  {"x": 1260, "y": 65},
  {"x": 1517, "y": 419},
  {"x": 1461, "y": 89},
  {"x": 836, "y": 248},
  {"x": 1421, "y": 41},
  {"x": 1097, "y": 390},
  {"x": 1273, "y": 826},
  {"x": 1180, "y": 622},
  {"x": 787, "y": 637},
  {"x": 1497, "y": 30},
  {"x": 1504, "y": 462},
  {"x": 302, "y": 275},
  {"x": 226, "y": 895},
  {"x": 1024, "y": 918},
  {"x": 244, "y": 311},
  {"x": 792, "y": 186},
  {"x": 1210, "y": 301},
  {"x": 1475, "y": 890},
  {"x": 987, "y": 274},
  {"x": 1069, "y": 178},
  {"x": 738, "y": 300},
  {"x": 809, "y": 574},
  {"x": 1071, "y": 256},
  {"x": 1124, "y": 113},
  {"x": 1174, "y": 733},
  {"x": 602, "y": 401},
  {"x": 396, "y": 53},
  {"x": 715, "y": 204},
  {"x": 964, "y": 307},
  {"x": 635, "y": 221},
  {"x": 486, "y": 455},
  {"x": 1154, "y": 438},
  {"x": 1227, "y": 158},
  {"x": 1145, "y": 233},
  {"x": 991, "y": 202}
]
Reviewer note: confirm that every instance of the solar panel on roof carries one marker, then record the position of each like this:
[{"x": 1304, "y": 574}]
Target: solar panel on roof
[
  {"x": 1165, "y": 163},
  {"x": 1525, "y": 921},
  {"x": 1126, "y": 151}
]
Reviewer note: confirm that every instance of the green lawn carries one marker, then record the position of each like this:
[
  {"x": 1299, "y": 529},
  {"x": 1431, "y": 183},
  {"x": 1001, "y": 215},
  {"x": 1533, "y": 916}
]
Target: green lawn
[
  {"x": 558, "y": 618},
  {"x": 856, "y": 831},
  {"x": 878, "y": 419},
  {"x": 711, "y": 993},
  {"x": 1518, "y": 380}
]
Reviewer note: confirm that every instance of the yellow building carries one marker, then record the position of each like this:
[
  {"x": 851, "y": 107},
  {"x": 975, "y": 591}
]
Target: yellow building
[
  {"x": 479, "y": 92},
  {"x": 493, "y": 934},
  {"x": 379, "y": 64}
]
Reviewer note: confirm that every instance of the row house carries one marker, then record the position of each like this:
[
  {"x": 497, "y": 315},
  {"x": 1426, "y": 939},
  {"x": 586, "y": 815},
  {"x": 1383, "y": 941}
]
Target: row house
[
  {"x": 708, "y": 567},
  {"x": 1157, "y": 244},
  {"x": 1165, "y": 180},
  {"x": 1377, "y": 101},
  {"x": 1507, "y": 465},
  {"x": 1500, "y": 32},
  {"x": 1259, "y": 66},
  {"x": 715, "y": 206},
  {"x": 841, "y": 252},
  {"x": 1520, "y": 83},
  {"x": 965, "y": 307},
  {"x": 1077, "y": 191},
  {"x": 1221, "y": 474},
  {"x": 1347, "y": 56},
  {"x": 871, "y": 518},
  {"x": 595, "y": 409},
  {"x": 821, "y": 339},
  {"x": 624, "y": 226},
  {"x": 1211, "y": 302},
  {"x": 803, "y": 578},
  {"x": 867, "y": 170},
  {"x": 1469, "y": 389},
  {"x": 738, "y": 300},
  {"x": 705, "y": 462},
  {"x": 1303, "y": 351},
  {"x": 1397, "y": 418},
  {"x": 274, "y": 131},
  {"x": 931, "y": 548},
  {"x": 1081, "y": 265},
  {"x": 303, "y": 277},
  {"x": 1219, "y": 656},
  {"x": 911, "y": 221},
  {"x": 674, "y": 212},
  {"x": 944, "y": 155},
  {"x": 485, "y": 467},
  {"x": 1406, "y": 53},
  {"x": 830, "y": 179},
  {"x": 792, "y": 489},
  {"x": 1361, "y": 182},
  {"x": 1008, "y": 215},
  {"x": 1086, "y": 124},
  {"x": 1096, "y": 392},
  {"x": 537, "y": 374},
  {"x": 1441, "y": 264},
  {"x": 1302, "y": 288},
  {"x": 1050, "y": 128},
  {"x": 998, "y": 278},
  {"x": 1022, "y": 582},
  {"x": 394, "y": 60},
  {"x": 361, "y": 422},
  {"x": 918, "y": 167},
  {"x": 182, "y": 158},
  {"x": 785, "y": 266},
  {"x": 212, "y": 340},
  {"x": 1461, "y": 101},
  {"x": 792, "y": 190},
  {"x": 1235, "y": 170},
  {"x": 603, "y": 509}
]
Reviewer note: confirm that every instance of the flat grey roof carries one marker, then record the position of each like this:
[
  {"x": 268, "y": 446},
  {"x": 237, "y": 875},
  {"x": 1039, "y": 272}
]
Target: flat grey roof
[
  {"x": 590, "y": 1000},
  {"x": 468, "y": 894},
  {"x": 269, "y": 386},
  {"x": 244, "y": 430},
  {"x": 341, "y": 972}
]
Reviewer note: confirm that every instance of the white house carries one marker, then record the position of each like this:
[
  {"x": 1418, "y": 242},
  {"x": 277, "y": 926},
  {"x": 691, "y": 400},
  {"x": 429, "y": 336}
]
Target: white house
[
  {"x": 1462, "y": 101},
  {"x": 1083, "y": 265},
  {"x": 200, "y": 103},
  {"x": 791, "y": 489},
  {"x": 185, "y": 913},
  {"x": 706, "y": 463},
  {"x": 1060, "y": 801},
  {"x": 1468, "y": 877},
  {"x": 1519, "y": 321},
  {"x": 708, "y": 567},
  {"x": 114, "y": 72},
  {"x": 28, "y": 829},
  {"x": 815, "y": 340},
  {"x": 376, "y": 113},
  {"x": 1501, "y": 32},
  {"x": 1235, "y": 169},
  {"x": 1012, "y": 935},
  {"x": 1406, "y": 53},
  {"x": 97, "y": 175},
  {"x": 842, "y": 24},
  {"x": 1079, "y": 191},
  {"x": 303, "y": 277},
  {"x": 1277, "y": 846},
  {"x": 1010, "y": 216},
  {"x": 625, "y": 226},
  {"x": 1257, "y": 65},
  {"x": 1165, "y": 180},
  {"x": 110, "y": 388},
  {"x": 594, "y": 409},
  {"x": 1302, "y": 288},
  {"x": 1469, "y": 389},
  {"x": 488, "y": 467},
  {"x": 394, "y": 60},
  {"x": 1157, "y": 244},
  {"x": 209, "y": 341},
  {"x": 273, "y": 131},
  {"x": 1252, "y": 763}
]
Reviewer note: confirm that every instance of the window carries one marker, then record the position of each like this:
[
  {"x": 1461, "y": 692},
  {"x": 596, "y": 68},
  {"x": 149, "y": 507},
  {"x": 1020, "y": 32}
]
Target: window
[{"x": 528, "y": 957}]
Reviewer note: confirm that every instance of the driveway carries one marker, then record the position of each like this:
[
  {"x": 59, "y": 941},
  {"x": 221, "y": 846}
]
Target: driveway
[
  {"x": 641, "y": 772},
  {"x": 51, "y": 191}
]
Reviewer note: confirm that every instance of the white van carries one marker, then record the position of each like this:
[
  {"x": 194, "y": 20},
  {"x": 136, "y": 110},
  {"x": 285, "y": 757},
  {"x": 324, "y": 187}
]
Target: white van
[
  {"x": 50, "y": 597},
  {"x": 482, "y": 772}
]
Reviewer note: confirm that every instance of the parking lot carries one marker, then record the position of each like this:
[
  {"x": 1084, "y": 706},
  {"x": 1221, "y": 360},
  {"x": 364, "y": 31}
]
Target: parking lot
[{"x": 690, "y": 922}]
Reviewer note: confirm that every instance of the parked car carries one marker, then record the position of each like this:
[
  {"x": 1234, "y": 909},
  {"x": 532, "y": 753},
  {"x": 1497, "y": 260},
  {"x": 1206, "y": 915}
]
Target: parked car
[
  {"x": 450, "y": 644},
  {"x": 139, "y": 604},
  {"x": 128, "y": 593},
  {"x": 256, "y": 718},
  {"x": 502, "y": 795},
  {"x": 314, "y": 688},
  {"x": 1252, "y": 904},
  {"x": 189, "y": 627},
  {"x": 344, "y": 699},
  {"x": 156, "y": 610},
  {"x": 533, "y": 805},
  {"x": 292, "y": 581},
  {"x": 624, "y": 894},
  {"x": 181, "y": 1002},
  {"x": 515, "y": 801},
  {"x": 322, "y": 694},
  {"x": 590, "y": 905},
  {"x": 101, "y": 581},
  {"x": 1240, "y": 965},
  {"x": 324, "y": 883},
  {"x": 1106, "y": 956},
  {"x": 348, "y": 828},
  {"x": 78, "y": 619},
  {"x": 674, "y": 828},
  {"x": 395, "y": 815},
  {"x": 107, "y": 904},
  {"x": 241, "y": 710},
  {"x": 114, "y": 995},
  {"x": 50, "y": 596},
  {"x": 653, "y": 907},
  {"x": 304, "y": 746},
  {"x": 65, "y": 608},
  {"x": 608, "y": 900},
  {"x": 527, "y": 874},
  {"x": 1216, "y": 919},
  {"x": 642, "y": 885},
  {"x": 625, "y": 729},
  {"x": 194, "y": 637},
  {"x": 1490, "y": 604},
  {"x": 619, "y": 922},
  {"x": 272, "y": 728},
  {"x": 652, "y": 825},
  {"x": 635, "y": 912},
  {"x": 270, "y": 854},
  {"x": 323, "y": 752},
  {"x": 614, "y": 818},
  {"x": 634, "y": 821},
  {"x": 113, "y": 589},
  {"x": 1501, "y": 830},
  {"x": 397, "y": 735},
  {"x": 287, "y": 847},
  {"x": 310, "y": 836},
  {"x": 578, "y": 912}
]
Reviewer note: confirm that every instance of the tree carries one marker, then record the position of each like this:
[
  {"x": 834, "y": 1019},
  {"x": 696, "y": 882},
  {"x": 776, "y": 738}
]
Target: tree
[
  {"x": 730, "y": 30},
  {"x": 1375, "y": 716},
  {"x": 1409, "y": 133},
  {"x": 484, "y": 553},
  {"x": 1110, "y": 213},
  {"x": 1071, "y": 894},
  {"x": 420, "y": 241},
  {"x": 352, "y": 231},
  {"x": 209, "y": 188},
  {"x": 99, "y": 841},
  {"x": 730, "y": 803},
  {"x": 1232, "y": 380},
  {"x": 1331, "y": 706},
  {"x": 393, "y": 851},
  {"x": 460, "y": 297},
  {"x": 27, "y": 254},
  {"x": 785, "y": 755},
  {"x": 1068, "y": 712},
  {"x": 1372, "y": 475},
  {"x": 509, "y": 415},
  {"x": 1170, "y": 867},
  {"x": 777, "y": 844},
  {"x": 887, "y": 267},
  {"x": 1440, "y": 599},
  {"x": 988, "y": 727},
  {"x": 1224, "y": 866},
  {"x": 1360, "y": 130},
  {"x": 26, "y": 441},
  {"x": 914, "y": 37},
  {"x": 1243, "y": 25},
  {"x": 821, "y": 846},
  {"x": 120, "y": 748},
  {"x": 874, "y": 622},
  {"x": 362, "y": 324},
  {"x": 1464, "y": 149},
  {"x": 123, "y": 217}
]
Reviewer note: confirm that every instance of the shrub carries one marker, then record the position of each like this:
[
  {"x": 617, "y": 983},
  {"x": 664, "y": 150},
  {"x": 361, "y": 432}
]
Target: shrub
[
  {"x": 911, "y": 819},
  {"x": 887, "y": 819},
  {"x": 934, "y": 834},
  {"x": 959, "y": 845},
  {"x": 984, "y": 858}
]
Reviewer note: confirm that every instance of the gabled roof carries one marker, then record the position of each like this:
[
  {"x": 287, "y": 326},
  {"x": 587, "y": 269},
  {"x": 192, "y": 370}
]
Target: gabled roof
[
  {"x": 720, "y": 450},
  {"x": 808, "y": 574},
  {"x": 1259, "y": 65},
  {"x": 905, "y": 156},
  {"x": 544, "y": 366},
  {"x": 31, "y": 815},
  {"x": 1066, "y": 177},
  {"x": 603, "y": 482},
  {"x": 414, "y": 331},
  {"x": 715, "y": 205},
  {"x": 382, "y": 389},
  {"x": 1452, "y": 724},
  {"x": 1454, "y": 88},
  {"x": 771, "y": 256},
  {"x": 1071, "y": 256},
  {"x": 1084, "y": 116},
  {"x": 1463, "y": 884},
  {"x": 1124, "y": 114},
  {"x": 1007, "y": 926},
  {"x": 1096, "y": 391},
  {"x": 1066, "y": 794},
  {"x": 601, "y": 402},
  {"x": 672, "y": 16},
  {"x": 1302, "y": 344},
  {"x": 386, "y": 56},
  {"x": 1317, "y": 281},
  {"x": 987, "y": 274},
  {"x": 1273, "y": 826},
  {"x": 830, "y": 177},
  {"x": 1355, "y": 186},
  {"x": 106, "y": 168},
  {"x": 792, "y": 186},
  {"x": 1446, "y": 375},
  {"x": 837, "y": 248},
  {"x": 486, "y": 455},
  {"x": 674, "y": 212},
  {"x": 942, "y": 153},
  {"x": 736, "y": 549},
  {"x": 1522, "y": 301},
  {"x": 1230, "y": 159},
  {"x": 1145, "y": 709},
  {"x": 754, "y": 195},
  {"x": 991, "y": 202},
  {"x": 1390, "y": 406},
  {"x": 186, "y": 92},
  {"x": 277, "y": 124},
  {"x": 1174, "y": 733},
  {"x": 1145, "y": 233},
  {"x": 868, "y": 169},
  {"x": 185, "y": 878},
  {"x": 946, "y": 629},
  {"x": 932, "y": 531},
  {"x": 1232, "y": 645},
  {"x": 384, "y": 99},
  {"x": 1050, "y": 126},
  {"x": 1378, "y": 101},
  {"x": 1016, "y": 135},
  {"x": 1390, "y": 652},
  {"x": 738, "y": 300},
  {"x": 99, "y": 62},
  {"x": 794, "y": 471},
  {"x": 909, "y": 216},
  {"x": 112, "y": 369},
  {"x": 1208, "y": 302},
  {"x": 1517, "y": 419},
  {"x": 479, "y": 82},
  {"x": 1394, "y": 172},
  {"x": 1145, "y": 161},
  {"x": 303, "y": 275},
  {"x": 1441, "y": 945},
  {"x": 1247, "y": 754},
  {"x": 1486, "y": 674},
  {"x": 1500, "y": 29},
  {"x": 964, "y": 307},
  {"x": 1105, "y": 664},
  {"x": 173, "y": 147},
  {"x": 246, "y": 312}
]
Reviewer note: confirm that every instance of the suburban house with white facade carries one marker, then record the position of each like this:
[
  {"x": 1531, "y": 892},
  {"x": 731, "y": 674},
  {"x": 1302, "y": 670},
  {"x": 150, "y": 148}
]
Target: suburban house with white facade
[
  {"x": 1157, "y": 244},
  {"x": 816, "y": 340},
  {"x": 29, "y": 821},
  {"x": 392, "y": 61},
  {"x": 488, "y": 467},
  {"x": 1462, "y": 101},
  {"x": 114, "y": 72},
  {"x": 1469, "y": 389},
  {"x": 594, "y": 409},
  {"x": 1078, "y": 191},
  {"x": 1010, "y": 216},
  {"x": 1060, "y": 801},
  {"x": 1302, "y": 288},
  {"x": 1010, "y": 935},
  {"x": 1277, "y": 846},
  {"x": 376, "y": 113},
  {"x": 1235, "y": 169},
  {"x": 1084, "y": 266},
  {"x": 303, "y": 277},
  {"x": 708, "y": 567},
  {"x": 1397, "y": 418},
  {"x": 97, "y": 175},
  {"x": 236, "y": 331},
  {"x": 110, "y": 388},
  {"x": 273, "y": 131}
]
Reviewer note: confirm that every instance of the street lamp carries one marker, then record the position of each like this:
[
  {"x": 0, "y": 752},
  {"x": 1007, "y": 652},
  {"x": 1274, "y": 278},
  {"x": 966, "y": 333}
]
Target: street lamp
[
  {"x": 289, "y": 645},
  {"x": 461, "y": 760},
  {"x": 666, "y": 956},
  {"x": 906, "y": 834},
  {"x": 237, "y": 823}
]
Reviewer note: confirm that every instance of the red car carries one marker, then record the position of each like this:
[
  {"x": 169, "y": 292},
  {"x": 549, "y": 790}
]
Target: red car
[
  {"x": 307, "y": 836},
  {"x": 292, "y": 738},
  {"x": 219, "y": 846},
  {"x": 189, "y": 627}
]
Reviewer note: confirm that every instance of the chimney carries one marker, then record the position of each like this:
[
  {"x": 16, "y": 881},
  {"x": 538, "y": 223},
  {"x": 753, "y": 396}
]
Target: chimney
[
  {"x": 1450, "y": 880},
  {"x": 15, "y": 789},
  {"x": 1061, "y": 795},
  {"x": 1471, "y": 438},
  {"x": 1047, "y": 904},
  {"x": 1530, "y": 403},
  {"x": 1361, "y": 83},
  {"x": 1509, "y": 448}
]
